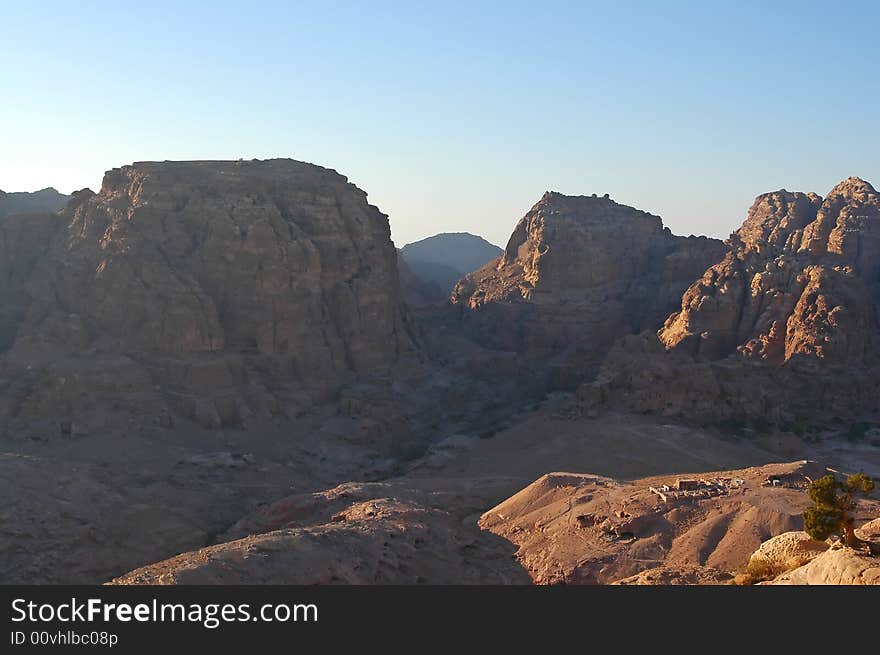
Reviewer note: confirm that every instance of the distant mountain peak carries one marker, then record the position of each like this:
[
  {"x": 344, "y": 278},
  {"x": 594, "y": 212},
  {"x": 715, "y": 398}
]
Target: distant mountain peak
[
  {"x": 23, "y": 202},
  {"x": 443, "y": 259}
]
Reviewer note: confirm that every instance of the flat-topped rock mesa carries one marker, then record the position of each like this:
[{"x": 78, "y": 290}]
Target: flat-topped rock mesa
[
  {"x": 577, "y": 273},
  {"x": 204, "y": 277},
  {"x": 24, "y": 202},
  {"x": 784, "y": 327},
  {"x": 244, "y": 256}
]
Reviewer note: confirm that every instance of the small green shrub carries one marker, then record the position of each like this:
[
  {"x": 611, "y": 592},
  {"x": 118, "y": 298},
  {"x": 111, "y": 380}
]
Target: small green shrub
[{"x": 833, "y": 504}]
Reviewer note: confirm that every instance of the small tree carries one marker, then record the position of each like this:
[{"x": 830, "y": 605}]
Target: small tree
[{"x": 833, "y": 503}]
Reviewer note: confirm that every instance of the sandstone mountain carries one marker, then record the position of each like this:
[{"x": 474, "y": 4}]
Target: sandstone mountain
[
  {"x": 577, "y": 273},
  {"x": 238, "y": 287},
  {"x": 443, "y": 259},
  {"x": 783, "y": 328},
  {"x": 193, "y": 339},
  {"x": 800, "y": 282},
  {"x": 22, "y": 202},
  {"x": 211, "y": 362}
]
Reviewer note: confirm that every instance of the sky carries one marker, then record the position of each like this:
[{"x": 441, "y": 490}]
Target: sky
[{"x": 454, "y": 116}]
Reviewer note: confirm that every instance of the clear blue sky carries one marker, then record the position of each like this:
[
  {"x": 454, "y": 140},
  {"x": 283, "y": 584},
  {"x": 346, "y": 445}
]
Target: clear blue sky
[{"x": 454, "y": 116}]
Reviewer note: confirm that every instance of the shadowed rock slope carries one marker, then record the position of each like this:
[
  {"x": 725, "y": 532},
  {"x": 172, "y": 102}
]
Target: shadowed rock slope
[{"x": 380, "y": 533}]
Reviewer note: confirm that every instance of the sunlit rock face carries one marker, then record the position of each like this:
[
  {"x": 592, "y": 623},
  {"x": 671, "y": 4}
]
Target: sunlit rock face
[
  {"x": 784, "y": 327},
  {"x": 577, "y": 273}
]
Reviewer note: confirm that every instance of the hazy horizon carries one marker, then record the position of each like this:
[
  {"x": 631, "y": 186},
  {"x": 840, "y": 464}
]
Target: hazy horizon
[{"x": 455, "y": 118}]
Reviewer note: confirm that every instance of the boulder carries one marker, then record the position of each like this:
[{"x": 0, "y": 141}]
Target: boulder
[
  {"x": 787, "y": 551},
  {"x": 836, "y": 566}
]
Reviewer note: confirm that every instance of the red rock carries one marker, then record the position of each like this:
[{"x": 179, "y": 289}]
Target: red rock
[
  {"x": 577, "y": 273},
  {"x": 783, "y": 328}
]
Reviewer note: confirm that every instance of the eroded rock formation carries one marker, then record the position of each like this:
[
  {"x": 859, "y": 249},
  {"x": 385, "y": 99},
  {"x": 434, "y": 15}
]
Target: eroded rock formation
[
  {"x": 783, "y": 328},
  {"x": 236, "y": 287},
  {"x": 577, "y": 273},
  {"x": 801, "y": 280}
]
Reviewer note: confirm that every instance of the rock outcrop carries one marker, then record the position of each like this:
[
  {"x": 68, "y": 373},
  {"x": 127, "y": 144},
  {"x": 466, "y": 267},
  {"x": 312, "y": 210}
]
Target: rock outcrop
[
  {"x": 787, "y": 551},
  {"x": 237, "y": 288},
  {"x": 801, "y": 281},
  {"x": 792, "y": 558},
  {"x": 784, "y": 328},
  {"x": 836, "y": 566},
  {"x": 870, "y": 531},
  {"x": 23, "y": 202},
  {"x": 577, "y": 273}
]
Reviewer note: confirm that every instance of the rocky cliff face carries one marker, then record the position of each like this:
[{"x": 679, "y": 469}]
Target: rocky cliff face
[
  {"x": 213, "y": 280},
  {"x": 577, "y": 272},
  {"x": 783, "y": 327},
  {"x": 801, "y": 280},
  {"x": 24, "y": 241},
  {"x": 258, "y": 300}
]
